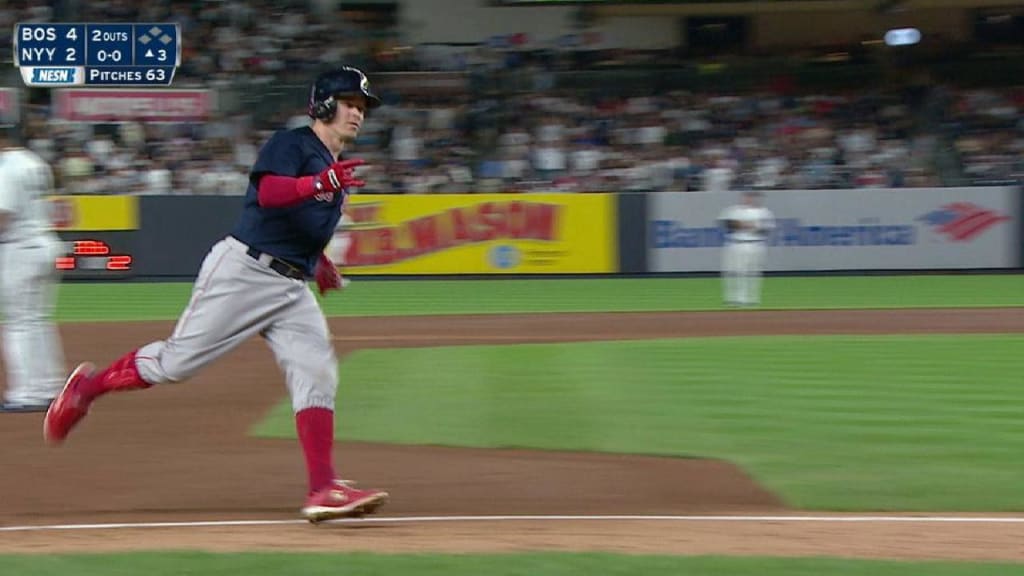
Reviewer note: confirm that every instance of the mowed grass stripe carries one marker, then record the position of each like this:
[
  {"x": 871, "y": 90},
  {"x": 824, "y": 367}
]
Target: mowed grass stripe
[
  {"x": 152, "y": 301},
  {"x": 845, "y": 423},
  {"x": 506, "y": 564}
]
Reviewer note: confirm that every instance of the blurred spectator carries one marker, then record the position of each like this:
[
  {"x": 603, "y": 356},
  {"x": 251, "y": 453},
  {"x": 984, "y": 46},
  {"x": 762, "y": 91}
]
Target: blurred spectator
[
  {"x": 564, "y": 133},
  {"x": 718, "y": 175}
]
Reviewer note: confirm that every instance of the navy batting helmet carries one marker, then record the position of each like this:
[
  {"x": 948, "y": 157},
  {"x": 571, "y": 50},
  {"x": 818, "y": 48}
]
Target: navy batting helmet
[{"x": 344, "y": 80}]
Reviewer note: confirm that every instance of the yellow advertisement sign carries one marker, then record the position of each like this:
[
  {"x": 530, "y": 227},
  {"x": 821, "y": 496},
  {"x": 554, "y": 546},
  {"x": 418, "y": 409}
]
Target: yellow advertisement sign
[
  {"x": 481, "y": 234},
  {"x": 95, "y": 213}
]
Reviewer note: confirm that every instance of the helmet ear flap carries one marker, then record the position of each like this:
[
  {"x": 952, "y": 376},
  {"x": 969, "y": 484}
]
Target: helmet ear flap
[{"x": 325, "y": 109}]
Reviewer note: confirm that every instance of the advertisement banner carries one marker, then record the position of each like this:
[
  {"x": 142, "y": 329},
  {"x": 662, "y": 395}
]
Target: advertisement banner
[
  {"x": 89, "y": 213},
  {"x": 479, "y": 234},
  {"x": 121, "y": 105},
  {"x": 860, "y": 229}
]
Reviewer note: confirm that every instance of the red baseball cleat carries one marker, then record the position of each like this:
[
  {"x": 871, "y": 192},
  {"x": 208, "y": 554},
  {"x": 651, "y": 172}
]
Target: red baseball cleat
[
  {"x": 67, "y": 408},
  {"x": 341, "y": 500}
]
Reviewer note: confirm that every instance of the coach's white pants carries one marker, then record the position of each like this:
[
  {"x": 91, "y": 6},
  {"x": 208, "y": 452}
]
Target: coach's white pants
[
  {"x": 32, "y": 347},
  {"x": 742, "y": 266}
]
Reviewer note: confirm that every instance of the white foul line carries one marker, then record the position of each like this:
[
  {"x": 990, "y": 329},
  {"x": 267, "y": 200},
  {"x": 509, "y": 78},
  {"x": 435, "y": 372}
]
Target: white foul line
[{"x": 421, "y": 519}]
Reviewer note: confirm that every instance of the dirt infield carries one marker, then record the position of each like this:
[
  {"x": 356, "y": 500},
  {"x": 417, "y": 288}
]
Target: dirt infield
[{"x": 182, "y": 453}]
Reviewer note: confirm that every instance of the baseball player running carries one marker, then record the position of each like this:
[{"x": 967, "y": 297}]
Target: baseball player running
[
  {"x": 748, "y": 225},
  {"x": 28, "y": 280},
  {"x": 254, "y": 282}
]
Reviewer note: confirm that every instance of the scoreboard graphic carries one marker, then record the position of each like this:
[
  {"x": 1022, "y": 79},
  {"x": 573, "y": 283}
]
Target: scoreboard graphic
[{"x": 59, "y": 55}]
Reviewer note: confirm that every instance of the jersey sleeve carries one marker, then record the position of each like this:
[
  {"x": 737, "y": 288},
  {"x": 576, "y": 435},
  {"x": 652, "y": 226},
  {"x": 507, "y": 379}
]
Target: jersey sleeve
[{"x": 281, "y": 155}]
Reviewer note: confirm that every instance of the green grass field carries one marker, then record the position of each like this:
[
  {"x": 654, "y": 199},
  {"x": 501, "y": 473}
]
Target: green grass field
[
  {"x": 869, "y": 423},
  {"x": 844, "y": 423},
  {"x": 154, "y": 301},
  {"x": 546, "y": 564}
]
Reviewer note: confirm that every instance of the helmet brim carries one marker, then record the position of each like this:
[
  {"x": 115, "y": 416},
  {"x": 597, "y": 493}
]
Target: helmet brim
[{"x": 372, "y": 101}]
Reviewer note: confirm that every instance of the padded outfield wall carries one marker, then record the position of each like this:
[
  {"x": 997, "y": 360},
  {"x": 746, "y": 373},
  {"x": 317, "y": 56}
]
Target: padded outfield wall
[
  {"x": 858, "y": 229},
  {"x": 166, "y": 237}
]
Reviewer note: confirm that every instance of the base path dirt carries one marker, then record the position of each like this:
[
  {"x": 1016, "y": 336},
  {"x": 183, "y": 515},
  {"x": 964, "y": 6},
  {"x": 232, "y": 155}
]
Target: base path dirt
[{"x": 182, "y": 453}]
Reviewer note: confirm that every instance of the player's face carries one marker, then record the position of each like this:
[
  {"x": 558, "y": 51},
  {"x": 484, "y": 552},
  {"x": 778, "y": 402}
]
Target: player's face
[{"x": 349, "y": 118}]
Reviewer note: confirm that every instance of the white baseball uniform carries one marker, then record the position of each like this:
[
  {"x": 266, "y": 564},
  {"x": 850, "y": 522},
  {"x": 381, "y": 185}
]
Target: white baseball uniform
[
  {"x": 28, "y": 279},
  {"x": 743, "y": 253}
]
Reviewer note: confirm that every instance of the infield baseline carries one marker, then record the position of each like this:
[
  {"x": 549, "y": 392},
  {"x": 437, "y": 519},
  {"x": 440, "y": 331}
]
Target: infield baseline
[{"x": 513, "y": 518}]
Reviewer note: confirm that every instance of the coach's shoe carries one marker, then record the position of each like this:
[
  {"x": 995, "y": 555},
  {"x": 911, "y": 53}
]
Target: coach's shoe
[
  {"x": 341, "y": 500},
  {"x": 68, "y": 408},
  {"x": 19, "y": 408}
]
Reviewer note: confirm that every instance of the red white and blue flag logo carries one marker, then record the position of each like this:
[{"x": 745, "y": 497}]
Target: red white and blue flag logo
[{"x": 962, "y": 221}]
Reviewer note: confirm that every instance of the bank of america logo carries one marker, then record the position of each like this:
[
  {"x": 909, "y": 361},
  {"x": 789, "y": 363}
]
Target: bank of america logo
[{"x": 962, "y": 221}]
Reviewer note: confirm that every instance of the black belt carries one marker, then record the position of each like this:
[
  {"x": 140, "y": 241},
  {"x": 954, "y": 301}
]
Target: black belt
[{"x": 277, "y": 265}]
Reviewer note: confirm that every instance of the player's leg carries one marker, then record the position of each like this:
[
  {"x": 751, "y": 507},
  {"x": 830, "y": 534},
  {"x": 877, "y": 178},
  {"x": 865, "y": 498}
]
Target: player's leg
[
  {"x": 303, "y": 349},
  {"x": 32, "y": 350},
  {"x": 15, "y": 328},
  {"x": 730, "y": 269},
  {"x": 47, "y": 359},
  {"x": 744, "y": 273},
  {"x": 234, "y": 298},
  {"x": 302, "y": 345},
  {"x": 756, "y": 273}
]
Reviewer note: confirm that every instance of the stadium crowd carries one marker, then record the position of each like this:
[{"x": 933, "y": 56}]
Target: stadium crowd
[{"x": 545, "y": 138}]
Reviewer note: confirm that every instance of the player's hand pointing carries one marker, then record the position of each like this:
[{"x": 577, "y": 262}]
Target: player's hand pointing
[{"x": 339, "y": 176}]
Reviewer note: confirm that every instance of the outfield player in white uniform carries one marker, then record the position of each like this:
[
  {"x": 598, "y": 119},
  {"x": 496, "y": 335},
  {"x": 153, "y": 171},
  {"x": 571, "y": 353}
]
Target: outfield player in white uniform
[
  {"x": 748, "y": 227},
  {"x": 33, "y": 352}
]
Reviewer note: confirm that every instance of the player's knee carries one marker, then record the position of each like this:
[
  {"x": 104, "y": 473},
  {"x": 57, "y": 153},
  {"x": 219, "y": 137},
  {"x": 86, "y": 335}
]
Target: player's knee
[
  {"x": 314, "y": 387},
  {"x": 156, "y": 372},
  {"x": 158, "y": 363}
]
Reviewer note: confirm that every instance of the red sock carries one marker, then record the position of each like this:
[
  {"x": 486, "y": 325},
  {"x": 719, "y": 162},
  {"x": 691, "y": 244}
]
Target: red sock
[
  {"x": 315, "y": 426},
  {"x": 316, "y": 434},
  {"x": 120, "y": 375}
]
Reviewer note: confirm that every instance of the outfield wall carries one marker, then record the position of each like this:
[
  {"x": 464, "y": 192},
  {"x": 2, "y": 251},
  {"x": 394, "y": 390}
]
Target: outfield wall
[
  {"x": 861, "y": 229},
  {"x": 481, "y": 234},
  {"x": 166, "y": 237}
]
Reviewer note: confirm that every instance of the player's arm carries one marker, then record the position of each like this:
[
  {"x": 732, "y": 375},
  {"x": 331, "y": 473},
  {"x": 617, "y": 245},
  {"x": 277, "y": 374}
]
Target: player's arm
[
  {"x": 727, "y": 221},
  {"x": 276, "y": 191}
]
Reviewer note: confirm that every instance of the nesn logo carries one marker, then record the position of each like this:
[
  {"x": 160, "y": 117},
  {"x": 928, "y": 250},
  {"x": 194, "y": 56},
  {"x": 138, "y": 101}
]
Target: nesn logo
[{"x": 53, "y": 75}]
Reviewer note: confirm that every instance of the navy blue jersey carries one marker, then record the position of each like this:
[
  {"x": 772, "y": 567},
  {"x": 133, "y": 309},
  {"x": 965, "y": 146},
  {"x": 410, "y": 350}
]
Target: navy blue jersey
[{"x": 297, "y": 233}]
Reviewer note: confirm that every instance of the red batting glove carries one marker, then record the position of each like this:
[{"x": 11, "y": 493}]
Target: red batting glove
[
  {"x": 338, "y": 177},
  {"x": 327, "y": 276}
]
